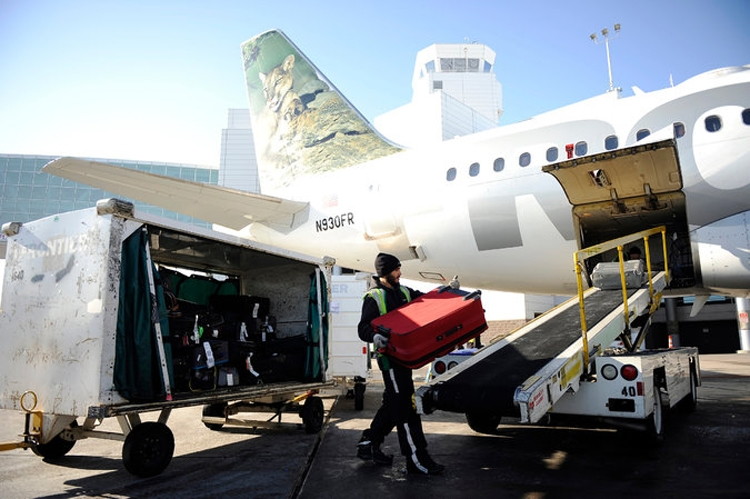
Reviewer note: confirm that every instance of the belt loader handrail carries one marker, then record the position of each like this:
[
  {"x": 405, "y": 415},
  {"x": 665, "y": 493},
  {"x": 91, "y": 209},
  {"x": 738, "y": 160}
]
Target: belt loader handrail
[{"x": 581, "y": 255}]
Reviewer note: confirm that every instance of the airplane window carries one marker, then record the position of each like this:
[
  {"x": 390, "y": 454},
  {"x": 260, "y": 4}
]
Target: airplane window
[
  {"x": 499, "y": 164},
  {"x": 451, "y": 175},
  {"x": 582, "y": 148},
  {"x": 679, "y": 129},
  {"x": 437, "y": 85},
  {"x": 474, "y": 169},
  {"x": 746, "y": 116},
  {"x": 611, "y": 142},
  {"x": 552, "y": 154},
  {"x": 642, "y": 133},
  {"x": 713, "y": 123},
  {"x": 524, "y": 159}
]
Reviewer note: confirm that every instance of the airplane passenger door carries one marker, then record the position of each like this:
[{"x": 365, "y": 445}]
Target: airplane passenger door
[{"x": 384, "y": 226}]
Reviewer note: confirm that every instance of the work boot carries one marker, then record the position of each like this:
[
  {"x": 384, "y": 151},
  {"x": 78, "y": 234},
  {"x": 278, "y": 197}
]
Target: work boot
[
  {"x": 420, "y": 463},
  {"x": 364, "y": 448},
  {"x": 381, "y": 458}
]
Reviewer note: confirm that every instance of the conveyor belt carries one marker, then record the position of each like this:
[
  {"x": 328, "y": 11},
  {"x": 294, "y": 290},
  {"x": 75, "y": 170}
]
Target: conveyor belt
[{"x": 489, "y": 384}]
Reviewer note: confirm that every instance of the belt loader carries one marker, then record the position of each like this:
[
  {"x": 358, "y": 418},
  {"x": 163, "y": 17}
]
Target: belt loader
[{"x": 561, "y": 362}]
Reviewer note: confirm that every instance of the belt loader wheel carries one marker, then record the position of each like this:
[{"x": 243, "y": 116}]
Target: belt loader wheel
[
  {"x": 312, "y": 413},
  {"x": 55, "y": 448},
  {"x": 148, "y": 449},
  {"x": 656, "y": 424},
  {"x": 482, "y": 422}
]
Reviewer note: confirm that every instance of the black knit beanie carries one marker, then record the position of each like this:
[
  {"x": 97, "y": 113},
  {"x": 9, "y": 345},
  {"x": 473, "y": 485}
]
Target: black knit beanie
[{"x": 385, "y": 264}]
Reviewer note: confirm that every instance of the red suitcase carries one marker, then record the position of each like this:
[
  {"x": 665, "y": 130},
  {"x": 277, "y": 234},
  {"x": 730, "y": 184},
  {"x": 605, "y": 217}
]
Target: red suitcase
[{"x": 431, "y": 325}]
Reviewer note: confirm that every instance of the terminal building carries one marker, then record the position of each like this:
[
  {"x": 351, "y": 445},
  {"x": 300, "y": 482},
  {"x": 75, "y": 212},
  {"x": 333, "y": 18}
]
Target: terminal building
[{"x": 455, "y": 92}]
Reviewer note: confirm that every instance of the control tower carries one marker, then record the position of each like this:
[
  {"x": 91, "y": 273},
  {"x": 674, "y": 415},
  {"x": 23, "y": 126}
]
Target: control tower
[{"x": 454, "y": 92}]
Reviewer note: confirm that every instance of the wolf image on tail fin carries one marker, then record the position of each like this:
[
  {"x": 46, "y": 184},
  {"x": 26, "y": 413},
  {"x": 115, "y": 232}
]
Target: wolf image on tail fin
[
  {"x": 277, "y": 88},
  {"x": 302, "y": 124}
]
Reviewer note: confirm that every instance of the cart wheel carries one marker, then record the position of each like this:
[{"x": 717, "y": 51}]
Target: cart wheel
[
  {"x": 55, "y": 448},
  {"x": 482, "y": 422},
  {"x": 359, "y": 396},
  {"x": 655, "y": 428},
  {"x": 214, "y": 411},
  {"x": 312, "y": 414},
  {"x": 148, "y": 449}
]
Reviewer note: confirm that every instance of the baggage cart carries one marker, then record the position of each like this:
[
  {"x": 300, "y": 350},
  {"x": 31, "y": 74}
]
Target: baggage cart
[{"x": 95, "y": 327}]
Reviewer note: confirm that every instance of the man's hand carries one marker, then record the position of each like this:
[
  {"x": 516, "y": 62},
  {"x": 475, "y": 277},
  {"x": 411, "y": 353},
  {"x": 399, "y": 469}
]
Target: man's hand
[{"x": 379, "y": 341}]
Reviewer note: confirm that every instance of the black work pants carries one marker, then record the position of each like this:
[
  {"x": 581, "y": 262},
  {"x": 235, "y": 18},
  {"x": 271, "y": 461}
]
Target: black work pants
[{"x": 398, "y": 409}]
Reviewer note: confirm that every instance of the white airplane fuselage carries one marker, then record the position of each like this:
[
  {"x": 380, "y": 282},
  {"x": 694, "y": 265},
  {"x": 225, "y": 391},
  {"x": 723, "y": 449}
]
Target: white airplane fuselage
[
  {"x": 511, "y": 228},
  {"x": 503, "y": 209}
]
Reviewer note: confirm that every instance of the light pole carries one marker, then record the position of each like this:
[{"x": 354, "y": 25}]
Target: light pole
[{"x": 606, "y": 36}]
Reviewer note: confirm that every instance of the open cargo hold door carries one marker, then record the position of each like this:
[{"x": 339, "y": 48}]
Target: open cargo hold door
[{"x": 628, "y": 190}]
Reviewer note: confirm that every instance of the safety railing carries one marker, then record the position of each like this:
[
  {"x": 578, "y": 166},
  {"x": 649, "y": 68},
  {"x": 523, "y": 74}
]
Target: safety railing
[{"x": 580, "y": 256}]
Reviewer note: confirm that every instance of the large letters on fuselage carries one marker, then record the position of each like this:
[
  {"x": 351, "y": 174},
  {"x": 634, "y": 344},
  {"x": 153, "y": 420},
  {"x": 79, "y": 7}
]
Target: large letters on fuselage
[{"x": 495, "y": 219}]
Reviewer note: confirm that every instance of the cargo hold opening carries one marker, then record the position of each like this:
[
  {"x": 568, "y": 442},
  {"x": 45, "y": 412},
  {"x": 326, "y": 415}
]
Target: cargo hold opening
[{"x": 620, "y": 192}]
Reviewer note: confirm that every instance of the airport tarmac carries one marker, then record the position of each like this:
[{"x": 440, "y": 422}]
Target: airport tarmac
[{"x": 705, "y": 454}]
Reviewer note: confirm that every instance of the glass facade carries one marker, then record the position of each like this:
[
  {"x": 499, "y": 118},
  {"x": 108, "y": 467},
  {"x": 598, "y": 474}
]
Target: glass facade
[{"x": 27, "y": 193}]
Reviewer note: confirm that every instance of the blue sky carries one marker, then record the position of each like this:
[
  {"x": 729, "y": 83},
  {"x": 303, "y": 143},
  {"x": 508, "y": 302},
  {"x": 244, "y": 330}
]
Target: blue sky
[{"x": 153, "y": 79}]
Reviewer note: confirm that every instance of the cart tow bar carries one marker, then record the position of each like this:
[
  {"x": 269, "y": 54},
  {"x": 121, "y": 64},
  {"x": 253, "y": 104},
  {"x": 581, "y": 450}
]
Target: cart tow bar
[{"x": 33, "y": 426}]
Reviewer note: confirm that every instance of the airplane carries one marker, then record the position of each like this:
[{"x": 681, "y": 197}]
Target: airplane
[{"x": 504, "y": 208}]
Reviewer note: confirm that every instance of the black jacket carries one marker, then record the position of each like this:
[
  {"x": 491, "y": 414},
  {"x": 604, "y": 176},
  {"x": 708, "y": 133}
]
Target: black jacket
[{"x": 394, "y": 298}]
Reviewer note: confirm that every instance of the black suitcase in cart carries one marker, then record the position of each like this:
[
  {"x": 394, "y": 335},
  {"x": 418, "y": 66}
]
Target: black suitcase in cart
[{"x": 239, "y": 309}]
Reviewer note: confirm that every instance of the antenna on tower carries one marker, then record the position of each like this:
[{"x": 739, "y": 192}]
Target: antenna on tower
[{"x": 606, "y": 36}]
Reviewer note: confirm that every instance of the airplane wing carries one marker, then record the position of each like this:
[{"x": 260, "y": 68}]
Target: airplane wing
[{"x": 228, "y": 207}]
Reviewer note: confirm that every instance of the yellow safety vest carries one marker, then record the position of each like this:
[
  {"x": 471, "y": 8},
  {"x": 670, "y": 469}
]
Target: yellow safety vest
[{"x": 378, "y": 294}]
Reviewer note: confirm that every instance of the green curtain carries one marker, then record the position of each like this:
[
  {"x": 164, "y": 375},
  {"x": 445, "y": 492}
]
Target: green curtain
[
  {"x": 200, "y": 289},
  {"x": 137, "y": 374},
  {"x": 314, "y": 368}
]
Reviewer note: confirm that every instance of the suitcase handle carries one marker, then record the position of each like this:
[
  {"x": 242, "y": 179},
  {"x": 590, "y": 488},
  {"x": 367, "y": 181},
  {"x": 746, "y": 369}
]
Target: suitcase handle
[
  {"x": 473, "y": 295},
  {"x": 440, "y": 337},
  {"x": 384, "y": 331}
]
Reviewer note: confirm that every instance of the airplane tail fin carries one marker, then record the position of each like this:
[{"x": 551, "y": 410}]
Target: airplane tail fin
[{"x": 302, "y": 124}]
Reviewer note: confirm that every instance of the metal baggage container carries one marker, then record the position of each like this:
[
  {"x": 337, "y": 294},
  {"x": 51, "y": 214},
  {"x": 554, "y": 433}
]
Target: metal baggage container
[
  {"x": 606, "y": 275},
  {"x": 69, "y": 301}
]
